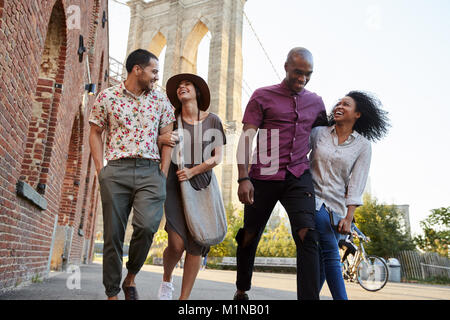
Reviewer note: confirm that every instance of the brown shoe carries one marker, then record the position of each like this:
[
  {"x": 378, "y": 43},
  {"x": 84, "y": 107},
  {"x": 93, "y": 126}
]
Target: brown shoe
[{"x": 130, "y": 293}]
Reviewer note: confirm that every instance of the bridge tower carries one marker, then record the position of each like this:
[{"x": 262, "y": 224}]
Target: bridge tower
[{"x": 181, "y": 25}]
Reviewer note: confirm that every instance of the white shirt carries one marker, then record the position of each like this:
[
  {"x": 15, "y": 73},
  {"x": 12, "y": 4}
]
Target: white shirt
[{"x": 339, "y": 172}]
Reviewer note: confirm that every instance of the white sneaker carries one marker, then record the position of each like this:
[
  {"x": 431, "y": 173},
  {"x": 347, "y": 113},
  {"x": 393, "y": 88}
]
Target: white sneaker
[{"x": 165, "y": 291}]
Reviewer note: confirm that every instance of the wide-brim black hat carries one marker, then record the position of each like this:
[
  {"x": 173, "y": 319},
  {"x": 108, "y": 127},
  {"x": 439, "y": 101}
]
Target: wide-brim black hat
[{"x": 172, "y": 86}]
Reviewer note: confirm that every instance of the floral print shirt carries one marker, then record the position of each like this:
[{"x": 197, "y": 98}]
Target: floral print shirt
[{"x": 132, "y": 122}]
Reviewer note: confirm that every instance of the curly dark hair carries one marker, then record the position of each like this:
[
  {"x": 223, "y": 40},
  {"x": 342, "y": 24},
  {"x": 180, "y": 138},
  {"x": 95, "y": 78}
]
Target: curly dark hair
[{"x": 373, "y": 123}]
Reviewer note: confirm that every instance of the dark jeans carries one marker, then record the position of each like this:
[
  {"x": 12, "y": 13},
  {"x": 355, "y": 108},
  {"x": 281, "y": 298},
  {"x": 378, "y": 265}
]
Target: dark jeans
[
  {"x": 297, "y": 197},
  {"x": 125, "y": 184}
]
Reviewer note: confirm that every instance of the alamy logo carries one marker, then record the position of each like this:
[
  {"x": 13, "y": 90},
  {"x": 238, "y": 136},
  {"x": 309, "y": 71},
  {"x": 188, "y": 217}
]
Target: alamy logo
[
  {"x": 74, "y": 279},
  {"x": 373, "y": 21},
  {"x": 73, "y": 17}
]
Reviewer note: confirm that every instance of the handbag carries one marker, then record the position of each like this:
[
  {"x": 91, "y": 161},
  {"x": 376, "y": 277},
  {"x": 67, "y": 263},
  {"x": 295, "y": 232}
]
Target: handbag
[{"x": 203, "y": 209}]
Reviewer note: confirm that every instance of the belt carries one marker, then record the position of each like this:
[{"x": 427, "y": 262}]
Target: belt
[{"x": 138, "y": 162}]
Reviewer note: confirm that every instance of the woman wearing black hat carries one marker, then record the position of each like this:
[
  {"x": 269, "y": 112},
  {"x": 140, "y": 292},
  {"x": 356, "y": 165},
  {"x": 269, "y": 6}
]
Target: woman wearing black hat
[{"x": 190, "y": 96}]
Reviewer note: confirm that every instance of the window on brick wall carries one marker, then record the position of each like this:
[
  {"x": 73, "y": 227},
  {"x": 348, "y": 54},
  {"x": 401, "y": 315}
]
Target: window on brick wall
[
  {"x": 94, "y": 21},
  {"x": 71, "y": 182},
  {"x": 101, "y": 74},
  {"x": 92, "y": 215},
  {"x": 87, "y": 185},
  {"x": 43, "y": 120},
  {"x": 2, "y": 4}
]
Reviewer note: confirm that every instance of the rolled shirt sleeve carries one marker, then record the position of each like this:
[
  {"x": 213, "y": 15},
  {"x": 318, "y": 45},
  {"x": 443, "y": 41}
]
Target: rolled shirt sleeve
[
  {"x": 99, "y": 114},
  {"x": 358, "y": 178},
  {"x": 167, "y": 115}
]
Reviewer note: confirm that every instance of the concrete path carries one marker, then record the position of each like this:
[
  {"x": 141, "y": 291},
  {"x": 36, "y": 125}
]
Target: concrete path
[{"x": 86, "y": 284}]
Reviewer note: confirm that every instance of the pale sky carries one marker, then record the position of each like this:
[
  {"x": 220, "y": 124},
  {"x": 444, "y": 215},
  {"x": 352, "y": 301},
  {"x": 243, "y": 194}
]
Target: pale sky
[{"x": 397, "y": 49}]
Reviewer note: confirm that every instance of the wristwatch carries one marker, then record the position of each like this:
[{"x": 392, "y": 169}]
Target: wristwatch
[{"x": 243, "y": 179}]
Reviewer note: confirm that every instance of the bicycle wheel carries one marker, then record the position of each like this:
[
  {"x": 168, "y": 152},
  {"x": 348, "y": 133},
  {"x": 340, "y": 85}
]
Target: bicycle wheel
[{"x": 372, "y": 273}]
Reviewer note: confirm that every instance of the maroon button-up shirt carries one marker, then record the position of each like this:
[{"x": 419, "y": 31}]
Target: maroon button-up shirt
[{"x": 290, "y": 116}]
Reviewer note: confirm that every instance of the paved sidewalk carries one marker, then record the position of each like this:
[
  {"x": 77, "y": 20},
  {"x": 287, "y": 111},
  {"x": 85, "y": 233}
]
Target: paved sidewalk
[
  {"x": 210, "y": 285},
  {"x": 218, "y": 284}
]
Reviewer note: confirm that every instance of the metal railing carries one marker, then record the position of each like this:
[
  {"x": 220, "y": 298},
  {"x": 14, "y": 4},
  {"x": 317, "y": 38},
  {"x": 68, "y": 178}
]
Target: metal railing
[{"x": 117, "y": 72}]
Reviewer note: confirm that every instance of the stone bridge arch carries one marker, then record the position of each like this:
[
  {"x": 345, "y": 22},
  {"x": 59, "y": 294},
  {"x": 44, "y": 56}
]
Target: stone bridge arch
[
  {"x": 188, "y": 57},
  {"x": 157, "y": 44}
]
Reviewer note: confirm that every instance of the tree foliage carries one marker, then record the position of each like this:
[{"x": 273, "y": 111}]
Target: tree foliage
[
  {"x": 277, "y": 242},
  {"x": 227, "y": 248},
  {"x": 385, "y": 226},
  {"x": 436, "y": 229}
]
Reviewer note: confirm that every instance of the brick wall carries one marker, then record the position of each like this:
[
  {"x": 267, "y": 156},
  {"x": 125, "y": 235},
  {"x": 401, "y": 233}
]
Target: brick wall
[{"x": 44, "y": 134}]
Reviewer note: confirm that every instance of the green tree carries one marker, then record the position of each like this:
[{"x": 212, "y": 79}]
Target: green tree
[
  {"x": 227, "y": 248},
  {"x": 277, "y": 242},
  {"x": 160, "y": 237},
  {"x": 159, "y": 244},
  {"x": 385, "y": 226},
  {"x": 436, "y": 229}
]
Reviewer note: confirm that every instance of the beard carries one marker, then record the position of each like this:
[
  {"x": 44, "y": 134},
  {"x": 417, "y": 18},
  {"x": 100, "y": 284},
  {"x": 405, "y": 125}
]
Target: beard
[{"x": 145, "y": 85}]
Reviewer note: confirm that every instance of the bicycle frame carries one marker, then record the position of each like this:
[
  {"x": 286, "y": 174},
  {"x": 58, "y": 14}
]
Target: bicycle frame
[
  {"x": 363, "y": 251},
  {"x": 359, "y": 255},
  {"x": 351, "y": 270}
]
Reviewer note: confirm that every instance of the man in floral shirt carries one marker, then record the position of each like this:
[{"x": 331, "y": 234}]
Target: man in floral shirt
[{"x": 133, "y": 115}]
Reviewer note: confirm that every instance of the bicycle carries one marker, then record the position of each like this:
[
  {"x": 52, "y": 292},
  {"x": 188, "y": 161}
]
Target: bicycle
[{"x": 370, "y": 271}]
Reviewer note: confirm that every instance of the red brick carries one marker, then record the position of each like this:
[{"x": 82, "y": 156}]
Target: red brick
[{"x": 46, "y": 82}]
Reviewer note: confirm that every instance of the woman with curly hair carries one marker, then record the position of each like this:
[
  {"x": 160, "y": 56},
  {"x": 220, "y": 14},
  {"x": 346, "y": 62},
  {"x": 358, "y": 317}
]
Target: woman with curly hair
[{"x": 340, "y": 161}]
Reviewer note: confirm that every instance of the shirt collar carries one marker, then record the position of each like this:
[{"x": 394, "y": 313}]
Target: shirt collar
[
  {"x": 123, "y": 90},
  {"x": 350, "y": 138},
  {"x": 353, "y": 134}
]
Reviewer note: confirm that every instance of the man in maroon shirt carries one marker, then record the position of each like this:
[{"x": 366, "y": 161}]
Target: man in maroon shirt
[{"x": 284, "y": 114}]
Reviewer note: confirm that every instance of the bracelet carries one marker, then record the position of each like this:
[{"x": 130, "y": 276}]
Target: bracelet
[{"x": 243, "y": 179}]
